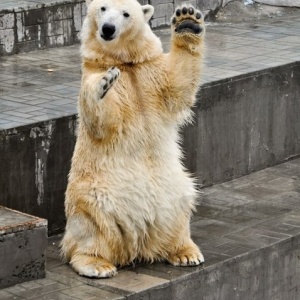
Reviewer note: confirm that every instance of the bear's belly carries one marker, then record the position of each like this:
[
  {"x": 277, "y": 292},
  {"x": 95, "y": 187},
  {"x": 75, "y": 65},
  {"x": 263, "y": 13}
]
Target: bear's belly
[
  {"x": 143, "y": 194},
  {"x": 149, "y": 210},
  {"x": 143, "y": 191}
]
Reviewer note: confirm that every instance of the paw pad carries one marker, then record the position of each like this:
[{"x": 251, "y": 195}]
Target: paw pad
[
  {"x": 187, "y": 19},
  {"x": 191, "y": 10}
]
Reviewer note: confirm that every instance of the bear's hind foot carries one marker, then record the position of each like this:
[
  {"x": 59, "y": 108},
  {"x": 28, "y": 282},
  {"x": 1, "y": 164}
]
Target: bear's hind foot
[
  {"x": 108, "y": 80},
  {"x": 187, "y": 19},
  {"x": 187, "y": 256},
  {"x": 92, "y": 266}
]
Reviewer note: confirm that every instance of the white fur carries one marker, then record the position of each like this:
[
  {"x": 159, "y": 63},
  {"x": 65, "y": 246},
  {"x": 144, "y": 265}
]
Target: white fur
[{"x": 129, "y": 196}]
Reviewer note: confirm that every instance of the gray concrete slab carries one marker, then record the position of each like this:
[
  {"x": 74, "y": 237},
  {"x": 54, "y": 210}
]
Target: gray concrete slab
[
  {"x": 251, "y": 249},
  {"x": 23, "y": 241},
  {"x": 41, "y": 85}
]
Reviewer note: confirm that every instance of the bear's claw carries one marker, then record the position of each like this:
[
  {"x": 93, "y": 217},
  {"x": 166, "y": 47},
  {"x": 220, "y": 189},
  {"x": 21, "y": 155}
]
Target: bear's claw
[
  {"x": 187, "y": 260},
  {"x": 188, "y": 20},
  {"x": 108, "y": 80}
]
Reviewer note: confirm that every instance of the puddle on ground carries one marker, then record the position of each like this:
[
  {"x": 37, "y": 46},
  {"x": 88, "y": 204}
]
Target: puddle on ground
[
  {"x": 48, "y": 66},
  {"x": 23, "y": 84}
]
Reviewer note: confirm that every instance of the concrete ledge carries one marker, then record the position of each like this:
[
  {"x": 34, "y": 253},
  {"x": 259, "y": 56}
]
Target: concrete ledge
[
  {"x": 242, "y": 124},
  {"x": 23, "y": 241},
  {"x": 268, "y": 273}
]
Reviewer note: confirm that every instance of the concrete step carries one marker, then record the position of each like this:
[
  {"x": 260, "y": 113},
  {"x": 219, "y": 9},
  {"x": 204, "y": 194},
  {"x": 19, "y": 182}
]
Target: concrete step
[
  {"x": 249, "y": 232},
  {"x": 23, "y": 242}
]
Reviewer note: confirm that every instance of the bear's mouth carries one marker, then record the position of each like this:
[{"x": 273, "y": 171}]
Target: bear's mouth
[{"x": 107, "y": 38}]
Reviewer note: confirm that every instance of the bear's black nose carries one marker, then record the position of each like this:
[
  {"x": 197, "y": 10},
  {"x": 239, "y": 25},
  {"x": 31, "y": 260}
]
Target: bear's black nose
[{"x": 108, "y": 31}]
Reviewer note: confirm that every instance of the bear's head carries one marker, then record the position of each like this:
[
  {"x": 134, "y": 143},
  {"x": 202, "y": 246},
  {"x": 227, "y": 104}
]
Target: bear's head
[{"x": 119, "y": 28}]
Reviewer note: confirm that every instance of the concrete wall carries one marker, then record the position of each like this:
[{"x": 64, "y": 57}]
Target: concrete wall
[
  {"x": 34, "y": 164},
  {"x": 241, "y": 125},
  {"x": 38, "y": 27},
  {"x": 58, "y": 23},
  {"x": 244, "y": 124}
]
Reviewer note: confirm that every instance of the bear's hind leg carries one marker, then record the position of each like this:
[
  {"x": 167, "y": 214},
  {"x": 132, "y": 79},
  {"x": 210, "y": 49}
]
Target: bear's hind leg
[
  {"x": 86, "y": 248},
  {"x": 187, "y": 255},
  {"x": 92, "y": 266}
]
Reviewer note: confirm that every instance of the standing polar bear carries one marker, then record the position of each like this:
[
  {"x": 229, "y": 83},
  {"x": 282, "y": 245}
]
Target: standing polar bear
[{"x": 129, "y": 196}]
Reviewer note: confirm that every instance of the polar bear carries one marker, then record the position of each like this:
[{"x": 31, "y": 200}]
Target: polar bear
[{"x": 129, "y": 198}]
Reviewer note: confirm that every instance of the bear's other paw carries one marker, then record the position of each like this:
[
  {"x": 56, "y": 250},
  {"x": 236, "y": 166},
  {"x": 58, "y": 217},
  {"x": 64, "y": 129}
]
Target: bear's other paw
[
  {"x": 188, "y": 20},
  {"x": 188, "y": 256},
  {"x": 108, "y": 80},
  {"x": 94, "y": 267}
]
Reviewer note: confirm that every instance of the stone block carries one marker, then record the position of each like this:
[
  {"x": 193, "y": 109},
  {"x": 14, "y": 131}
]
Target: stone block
[
  {"x": 23, "y": 242},
  {"x": 77, "y": 17},
  {"x": 67, "y": 29},
  {"x": 164, "y": 11},
  {"x": 83, "y": 10},
  {"x": 58, "y": 13},
  {"x": 54, "y": 41},
  {"x": 7, "y": 21},
  {"x": 34, "y": 17},
  {"x": 20, "y": 27},
  {"x": 49, "y": 13},
  {"x": 31, "y": 33},
  {"x": 26, "y": 46},
  {"x": 67, "y": 12},
  {"x": 55, "y": 28},
  {"x": 158, "y": 22},
  {"x": 7, "y": 39}
]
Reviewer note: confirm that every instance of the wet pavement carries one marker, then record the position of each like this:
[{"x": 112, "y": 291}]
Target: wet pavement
[{"x": 43, "y": 85}]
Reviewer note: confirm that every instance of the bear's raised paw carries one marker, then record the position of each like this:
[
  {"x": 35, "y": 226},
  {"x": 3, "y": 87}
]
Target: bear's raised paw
[
  {"x": 187, "y": 19},
  {"x": 108, "y": 80}
]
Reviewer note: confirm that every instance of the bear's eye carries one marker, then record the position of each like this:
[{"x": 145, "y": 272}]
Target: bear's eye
[
  {"x": 126, "y": 15},
  {"x": 103, "y": 8}
]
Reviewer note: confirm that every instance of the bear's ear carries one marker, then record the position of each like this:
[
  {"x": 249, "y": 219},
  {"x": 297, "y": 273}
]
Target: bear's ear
[
  {"x": 88, "y": 2},
  {"x": 148, "y": 11}
]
